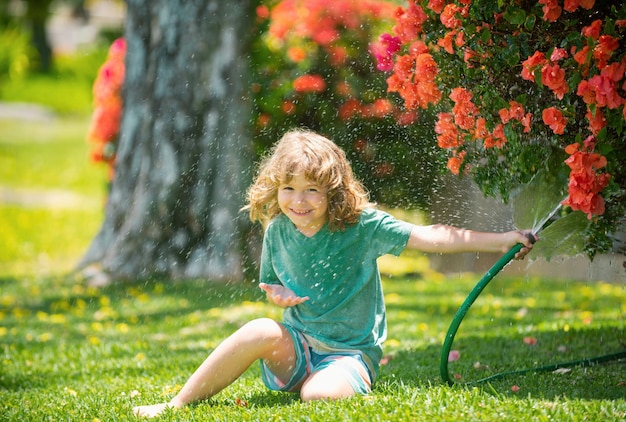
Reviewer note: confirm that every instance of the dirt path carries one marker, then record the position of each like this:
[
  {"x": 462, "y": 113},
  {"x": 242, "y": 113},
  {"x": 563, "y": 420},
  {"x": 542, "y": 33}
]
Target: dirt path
[{"x": 46, "y": 198}]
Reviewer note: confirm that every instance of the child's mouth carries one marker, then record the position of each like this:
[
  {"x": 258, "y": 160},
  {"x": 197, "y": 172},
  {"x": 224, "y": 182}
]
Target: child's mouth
[{"x": 297, "y": 212}]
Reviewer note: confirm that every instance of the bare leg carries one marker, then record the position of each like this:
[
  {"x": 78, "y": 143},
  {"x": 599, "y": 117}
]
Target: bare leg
[
  {"x": 259, "y": 339},
  {"x": 327, "y": 384}
]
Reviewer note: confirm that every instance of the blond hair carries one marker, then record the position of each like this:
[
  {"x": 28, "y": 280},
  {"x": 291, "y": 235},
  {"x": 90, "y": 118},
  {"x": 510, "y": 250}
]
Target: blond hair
[{"x": 321, "y": 161}]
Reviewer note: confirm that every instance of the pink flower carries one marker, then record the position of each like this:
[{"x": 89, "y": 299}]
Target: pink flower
[
  {"x": 384, "y": 50},
  {"x": 531, "y": 341},
  {"x": 454, "y": 355}
]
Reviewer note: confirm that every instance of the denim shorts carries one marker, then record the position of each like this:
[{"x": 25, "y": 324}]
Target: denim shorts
[{"x": 308, "y": 360}]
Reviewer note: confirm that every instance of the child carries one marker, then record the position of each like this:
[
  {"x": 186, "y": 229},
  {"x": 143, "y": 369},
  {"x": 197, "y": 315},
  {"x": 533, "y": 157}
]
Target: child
[{"x": 318, "y": 262}]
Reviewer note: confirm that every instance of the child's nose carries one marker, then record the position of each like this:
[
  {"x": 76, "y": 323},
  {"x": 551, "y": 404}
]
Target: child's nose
[{"x": 300, "y": 197}]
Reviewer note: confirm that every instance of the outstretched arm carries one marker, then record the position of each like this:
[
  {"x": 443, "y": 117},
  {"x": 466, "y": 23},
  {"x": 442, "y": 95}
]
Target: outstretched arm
[{"x": 441, "y": 238}]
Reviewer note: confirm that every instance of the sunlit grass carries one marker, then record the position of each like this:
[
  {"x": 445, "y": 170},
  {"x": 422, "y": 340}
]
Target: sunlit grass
[
  {"x": 94, "y": 353},
  {"x": 40, "y": 241},
  {"x": 52, "y": 196},
  {"x": 49, "y": 155}
]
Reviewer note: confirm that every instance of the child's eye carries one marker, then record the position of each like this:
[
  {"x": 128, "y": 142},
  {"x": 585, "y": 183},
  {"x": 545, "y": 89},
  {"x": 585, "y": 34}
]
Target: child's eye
[{"x": 287, "y": 188}]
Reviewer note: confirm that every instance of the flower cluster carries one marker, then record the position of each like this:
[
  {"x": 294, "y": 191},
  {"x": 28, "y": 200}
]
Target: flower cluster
[
  {"x": 502, "y": 112},
  {"x": 308, "y": 30},
  {"x": 105, "y": 121},
  {"x": 585, "y": 184}
]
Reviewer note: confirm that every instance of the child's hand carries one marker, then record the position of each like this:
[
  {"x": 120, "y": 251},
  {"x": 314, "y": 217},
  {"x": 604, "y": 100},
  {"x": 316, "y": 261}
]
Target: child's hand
[
  {"x": 281, "y": 296},
  {"x": 526, "y": 238}
]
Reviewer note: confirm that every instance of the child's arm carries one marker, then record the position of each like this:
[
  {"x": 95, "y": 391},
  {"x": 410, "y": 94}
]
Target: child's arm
[
  {"x": 440, "y": 238},
  {"x": 281, "y": 296}
]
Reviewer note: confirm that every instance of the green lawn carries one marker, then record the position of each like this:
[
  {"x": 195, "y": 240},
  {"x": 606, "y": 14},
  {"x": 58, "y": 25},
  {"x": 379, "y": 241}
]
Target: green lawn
[
  {"x": 75, "y": 353},
  {"x": 70, "y": 352}
]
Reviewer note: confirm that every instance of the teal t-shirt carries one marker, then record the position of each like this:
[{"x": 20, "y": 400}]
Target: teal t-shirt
[{"x": 339, "y": 273}]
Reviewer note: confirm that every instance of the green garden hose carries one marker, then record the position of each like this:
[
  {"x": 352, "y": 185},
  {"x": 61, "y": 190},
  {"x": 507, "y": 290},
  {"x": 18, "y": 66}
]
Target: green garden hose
[{"x": 460, "y": 314}]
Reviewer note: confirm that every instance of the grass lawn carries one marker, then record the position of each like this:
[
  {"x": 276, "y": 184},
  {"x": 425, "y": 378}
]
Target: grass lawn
[
  {"x": 74, "y": 353},
  {"x": 70, "y": 352}
]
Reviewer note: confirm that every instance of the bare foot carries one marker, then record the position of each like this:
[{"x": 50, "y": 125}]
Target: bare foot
[{"x": 151, "y": 410}]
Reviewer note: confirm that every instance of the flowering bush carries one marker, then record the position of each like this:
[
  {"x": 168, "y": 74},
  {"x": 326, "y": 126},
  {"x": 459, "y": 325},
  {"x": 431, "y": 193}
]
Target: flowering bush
[
  {"x": 105, "y": 121},
  {"x": 314, "y": 67},
  {"x": 521, "y": 86}
]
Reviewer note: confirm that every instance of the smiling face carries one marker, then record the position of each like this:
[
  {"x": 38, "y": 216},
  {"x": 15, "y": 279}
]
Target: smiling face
[{"x": 305, "y": 203}]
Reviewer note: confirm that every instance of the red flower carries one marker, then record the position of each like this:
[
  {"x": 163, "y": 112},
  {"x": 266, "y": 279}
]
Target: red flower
[
  {"x": 464, "y": 109},
  {"x": 349, "y": 109},
  {"x": 554, "y": 78},
  {"x": 409, "y": 22},
  {"x": 592, "y": 30},
  {"x": 558, "y": 54},
  {"x": 497, "y": 138},
  {"x": 604, "y": 49},
  {"x": 583, "y": 58},
  {"x": 296, "y": 54},
  {"x": 572, "y": 5},
  {"x": 531, "y": 341},
  {"x": 379, "y": 108},
  {"x": 531, "y": 64},
  {"x": 586, "y": 182},
  {"x": 551, "y": 10},
  {"x": 454, "y": 165},
  {"x": 446, "y": 42},
  {"x": 309, "y": 83},
  {"x": 407, "y": 117},
  {"x": 426, "y": 68},
  {"x": 436, "y": 5},
  {"x": 480, "y": 130},
  {"x": 597, "y": 121},
  {"x": 526, "y": 122},
  {"x": 554, "y": 118},
  {"x": 605, "y": 92},
  {"x": 515, "y": 112},
  {"x": 263, "y": 12},
  {"x": 447, "y": 131},
  {"x": 448, "y": 16},
  {"x": 105, "y": 123}
]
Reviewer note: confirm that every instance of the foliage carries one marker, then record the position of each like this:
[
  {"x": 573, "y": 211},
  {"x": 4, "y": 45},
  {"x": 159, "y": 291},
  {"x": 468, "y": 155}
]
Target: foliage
[
  {"x": 66, "y": 89},
  {"x": 313, "y": 68},
  {"x": 15, "y": 54},
  {"x": 522, "y": 86}
]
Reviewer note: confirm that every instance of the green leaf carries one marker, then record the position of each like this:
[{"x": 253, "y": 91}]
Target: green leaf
[
  {"x": 529, "y": 24},
  {"x": 514, "y": 15},
  {"x": 511, "y": 55}
]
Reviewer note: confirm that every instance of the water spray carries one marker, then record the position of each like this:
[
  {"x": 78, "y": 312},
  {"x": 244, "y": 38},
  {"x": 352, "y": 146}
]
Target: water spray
[{"x": 477, "y": 290}]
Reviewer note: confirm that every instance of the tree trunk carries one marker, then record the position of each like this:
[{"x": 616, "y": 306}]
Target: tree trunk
[{"x": 185, "y": 144}]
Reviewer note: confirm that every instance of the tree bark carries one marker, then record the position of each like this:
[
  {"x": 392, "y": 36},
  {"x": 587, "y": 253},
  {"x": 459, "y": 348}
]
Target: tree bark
[{"x": 185, "y": 144}]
